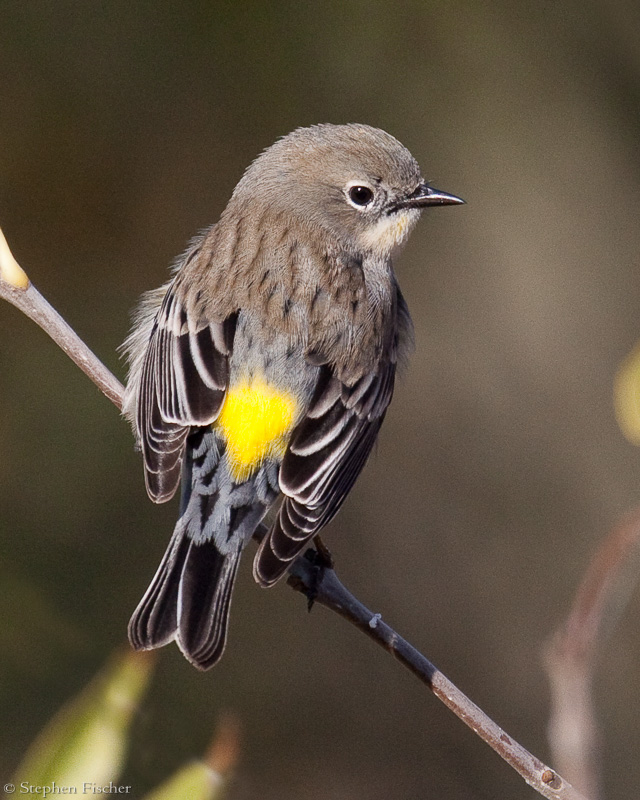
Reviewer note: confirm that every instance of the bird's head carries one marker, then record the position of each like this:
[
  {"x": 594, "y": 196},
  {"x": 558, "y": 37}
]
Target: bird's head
[{"x": 353, "y": 183}]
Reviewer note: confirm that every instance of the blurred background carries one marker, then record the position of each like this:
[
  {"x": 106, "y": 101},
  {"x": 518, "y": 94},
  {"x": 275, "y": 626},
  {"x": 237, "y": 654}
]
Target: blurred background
[{"x": 123, "y": 130}]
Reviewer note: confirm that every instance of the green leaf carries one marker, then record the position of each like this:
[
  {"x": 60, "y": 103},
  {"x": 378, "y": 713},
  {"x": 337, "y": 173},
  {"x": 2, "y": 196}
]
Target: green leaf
[
  {"x": 626, "y": 393},
  {"x": 195, "y": 781},
  {"x": 87, "y": 739}
]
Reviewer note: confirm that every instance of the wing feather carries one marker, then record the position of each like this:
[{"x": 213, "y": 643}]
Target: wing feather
[
  {"x": 327, "y": 452},
  {"x": 183, "y": 381}
]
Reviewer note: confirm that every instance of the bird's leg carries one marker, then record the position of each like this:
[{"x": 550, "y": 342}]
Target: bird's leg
[
  {"x": 321, "y": 559},
  {"x": 324, "y": 558}
]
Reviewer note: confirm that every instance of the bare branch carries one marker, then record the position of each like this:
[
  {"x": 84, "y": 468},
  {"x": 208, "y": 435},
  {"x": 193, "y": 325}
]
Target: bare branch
[
  {"x": 323, "y": 586},
  {"x": 319, "y": 584},
  {"x": 16, "y": 287},
  {"x": 571, "y": 654}
]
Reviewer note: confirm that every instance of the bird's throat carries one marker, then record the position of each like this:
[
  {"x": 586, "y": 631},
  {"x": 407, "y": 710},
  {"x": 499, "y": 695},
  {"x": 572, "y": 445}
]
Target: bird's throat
[{"x": 390, "y": 231}]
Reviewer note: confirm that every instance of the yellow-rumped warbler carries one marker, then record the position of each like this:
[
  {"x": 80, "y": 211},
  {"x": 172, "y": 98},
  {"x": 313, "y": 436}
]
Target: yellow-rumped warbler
[{"x": 265, "y": 367}]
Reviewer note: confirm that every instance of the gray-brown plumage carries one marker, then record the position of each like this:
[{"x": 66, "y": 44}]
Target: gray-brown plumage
[{"x": 264, "y": 368}]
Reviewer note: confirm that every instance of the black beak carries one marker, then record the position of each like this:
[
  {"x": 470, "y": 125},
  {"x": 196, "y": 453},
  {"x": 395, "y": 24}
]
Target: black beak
[{"x": 426, "y": 196}]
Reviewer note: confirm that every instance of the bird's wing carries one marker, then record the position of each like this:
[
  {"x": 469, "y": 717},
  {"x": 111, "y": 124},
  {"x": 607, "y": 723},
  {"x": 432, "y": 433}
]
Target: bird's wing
[
  {"x": 184, "y": 377},
  {"x": 328, "y": 449}
]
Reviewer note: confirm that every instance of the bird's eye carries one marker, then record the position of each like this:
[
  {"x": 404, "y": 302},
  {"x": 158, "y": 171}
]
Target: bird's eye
[{"x": 360, "y": 196}]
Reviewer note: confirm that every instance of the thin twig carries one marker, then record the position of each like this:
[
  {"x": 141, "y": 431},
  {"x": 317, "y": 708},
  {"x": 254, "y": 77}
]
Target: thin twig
[
  {"x": 323, "y": 586},
  {"x": 571, "y": 654},
  {"x": 318, "y": 583},
  {"x": 34, "y": 305}
]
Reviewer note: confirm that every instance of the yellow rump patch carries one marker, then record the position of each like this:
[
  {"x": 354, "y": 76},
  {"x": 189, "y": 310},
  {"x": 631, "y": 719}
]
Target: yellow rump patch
[{"x": 255, "y": 420}]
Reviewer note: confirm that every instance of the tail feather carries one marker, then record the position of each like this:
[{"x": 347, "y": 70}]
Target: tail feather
[
  {"x": 188, "y": 600},
  {"x": 203, "y": 602},
  {"x": 154, "y": 622}
]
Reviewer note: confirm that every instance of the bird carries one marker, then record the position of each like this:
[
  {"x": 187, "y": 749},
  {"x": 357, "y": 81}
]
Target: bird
[{"x": 261, "y": 372}]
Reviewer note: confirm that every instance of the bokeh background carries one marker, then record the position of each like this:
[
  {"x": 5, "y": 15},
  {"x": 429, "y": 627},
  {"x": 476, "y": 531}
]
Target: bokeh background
[{"x": 123, "y": 129}]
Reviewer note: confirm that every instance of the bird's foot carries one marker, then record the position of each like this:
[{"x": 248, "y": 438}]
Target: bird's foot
[
  {"x": 324, "y": 558},
  {"x": 321, "y": 559}
]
